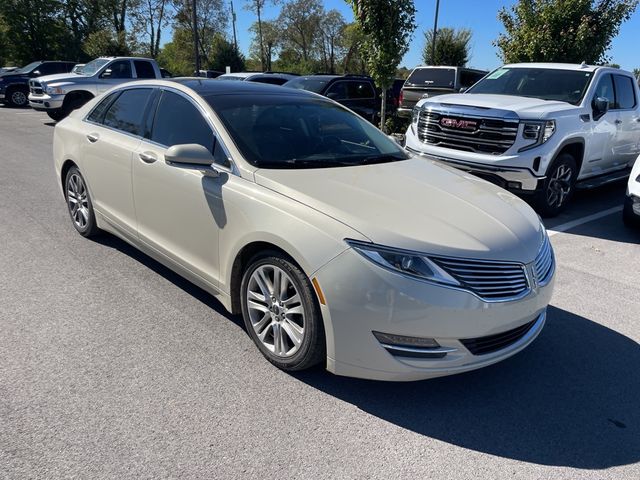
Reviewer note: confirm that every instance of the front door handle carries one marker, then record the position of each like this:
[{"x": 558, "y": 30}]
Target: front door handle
[
  {"x": 618, "y": 122},
  {"x": 147, "y": 157},
  {"x": 93, "y": 137}
]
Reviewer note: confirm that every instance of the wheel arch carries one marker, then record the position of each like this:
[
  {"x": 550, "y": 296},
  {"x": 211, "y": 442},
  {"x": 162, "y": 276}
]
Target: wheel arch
[
  {"x": 66, "y": 166},
  {"x": 574, "y": 147},
  {"x": 77, "y": 94}
]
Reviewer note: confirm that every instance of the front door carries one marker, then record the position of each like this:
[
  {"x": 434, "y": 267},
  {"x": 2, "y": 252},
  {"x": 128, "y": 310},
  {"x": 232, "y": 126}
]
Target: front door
[
  {"x": 115, "y": 73},
  {"x": 600, "y": 154},
  {"x": 179, "y": 209}
]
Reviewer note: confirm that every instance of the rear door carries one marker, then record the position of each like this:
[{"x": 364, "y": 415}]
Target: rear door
[
  {"x": 144, "y": 69},
  {"x": 113, "y": 133},
  {"x": 179, "y": 209},
  {"x": 627, "y": 144}
]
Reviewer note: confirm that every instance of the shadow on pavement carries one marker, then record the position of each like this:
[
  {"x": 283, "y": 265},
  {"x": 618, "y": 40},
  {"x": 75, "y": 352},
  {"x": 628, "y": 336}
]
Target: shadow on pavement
[{"x": 570, "y": 399}]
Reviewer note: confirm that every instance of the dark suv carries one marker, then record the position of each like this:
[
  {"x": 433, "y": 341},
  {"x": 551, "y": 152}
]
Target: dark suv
[
  {"x": 357, "y": 92},
  {"x": 14, "y": 85},
  {"x": 426, "y": 82}
]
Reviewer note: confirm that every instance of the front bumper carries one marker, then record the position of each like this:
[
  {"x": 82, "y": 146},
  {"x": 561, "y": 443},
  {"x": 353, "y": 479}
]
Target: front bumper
[
  {"x": 362, "y": 297},
  {"x": 45, "y": 102}
]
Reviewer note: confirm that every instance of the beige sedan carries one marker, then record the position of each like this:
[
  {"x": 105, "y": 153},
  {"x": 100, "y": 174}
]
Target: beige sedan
[{"x": 335, "y": 245}]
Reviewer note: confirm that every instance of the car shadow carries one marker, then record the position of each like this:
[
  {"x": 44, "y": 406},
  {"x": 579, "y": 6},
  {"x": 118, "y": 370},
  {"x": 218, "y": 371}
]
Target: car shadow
[{"x": 570, "y": 399}]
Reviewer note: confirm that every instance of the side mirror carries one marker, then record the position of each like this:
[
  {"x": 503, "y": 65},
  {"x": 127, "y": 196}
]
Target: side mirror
[
  {"x": 191, "y": 155},
  {"x": 462, "y": 89},
  {"x": 36, "y": 73},
  {"x": 106, "y": 73},
  {"x": 600, "y": 107}
]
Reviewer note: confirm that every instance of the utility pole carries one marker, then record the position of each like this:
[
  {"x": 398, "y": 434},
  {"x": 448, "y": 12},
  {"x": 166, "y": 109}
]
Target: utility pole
[
  {"x": 233, "y": 19},
  {"x": 435, "y": 31},
  {"x": 196, "y": 41}
]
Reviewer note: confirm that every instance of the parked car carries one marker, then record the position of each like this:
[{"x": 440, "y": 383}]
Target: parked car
[
  {"x": 394, "y": 94},
  {"x": 357, "y": 92},
  {"x": 540, "y": 130},
  {"x": 7, "y": 69},
  {"x": 14, "y": 85},
  {"x": 208, "y": 73},
  {"x": 631, "y": 212},
  {"x": 58, "y": 95},
  {"x": 327, "y": 236},
  {"x": 274, "y": 78},
  {"x": 428, "y": 82}
]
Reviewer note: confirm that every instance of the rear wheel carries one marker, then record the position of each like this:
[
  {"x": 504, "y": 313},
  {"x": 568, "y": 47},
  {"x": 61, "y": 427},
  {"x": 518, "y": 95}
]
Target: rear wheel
[
  {"x": 57, "y": 114},
  {"x": 79, "y": 204},
  {"x": 281, "y": 313},
  {"x": 18, "y": 97},
  {"x": 558, "y": 187}
]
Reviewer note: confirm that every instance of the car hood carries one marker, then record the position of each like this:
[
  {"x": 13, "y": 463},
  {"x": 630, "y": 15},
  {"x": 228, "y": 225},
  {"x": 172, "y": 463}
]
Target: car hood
[
  {"x": 525, "y": 107},
  {"x": 13, "y": 76},
  {"x": 60, "y": 78},
  {"x": 419, "y": 205}
]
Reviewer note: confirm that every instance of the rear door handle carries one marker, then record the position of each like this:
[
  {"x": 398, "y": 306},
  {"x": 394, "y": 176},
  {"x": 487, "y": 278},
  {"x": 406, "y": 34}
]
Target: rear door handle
[
  {"x": 147, "y": 157},
  {"x": 93, "y": 137}
]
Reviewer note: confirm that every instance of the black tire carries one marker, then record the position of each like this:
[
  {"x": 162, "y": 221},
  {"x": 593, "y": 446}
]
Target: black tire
[
  {"x": 558, "y": 186},
  {"x": 17, "y": 97},
  {"x": 312, "y": 348},
  {"x": 57, "y": 114},
  {"x": 629, "y": 218},
  {"x": 83, "y": 218}
]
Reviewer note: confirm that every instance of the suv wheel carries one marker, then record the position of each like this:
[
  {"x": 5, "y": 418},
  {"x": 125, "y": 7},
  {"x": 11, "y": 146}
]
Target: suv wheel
[
  {"x": 79, "y": 203},
  {"x": 558, "y": 186},
  {"x": 281, "y": 313},
  {"x": 17, "y": 97}
]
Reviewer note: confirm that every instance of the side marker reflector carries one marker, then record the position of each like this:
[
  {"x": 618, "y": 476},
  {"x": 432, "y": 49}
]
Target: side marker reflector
[{"x": 316, "y": 285}]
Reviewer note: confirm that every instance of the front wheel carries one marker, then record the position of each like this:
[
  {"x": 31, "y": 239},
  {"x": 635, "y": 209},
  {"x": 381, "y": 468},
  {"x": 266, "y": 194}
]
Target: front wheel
[
  {"x": 281, "y": 313},
  {"x": 18, "y": 98},
  {"x": 558, "y": 186},
  {"x": 79, "y": 204}
]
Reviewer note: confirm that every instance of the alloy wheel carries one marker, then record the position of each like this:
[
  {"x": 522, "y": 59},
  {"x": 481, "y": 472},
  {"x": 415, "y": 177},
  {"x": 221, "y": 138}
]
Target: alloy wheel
[
  {"x": 78, "y": 201},
  {"x": 276, "y": 311},
  {"x": 18, "y": 98},
  {"x": 559, "y": 186}
]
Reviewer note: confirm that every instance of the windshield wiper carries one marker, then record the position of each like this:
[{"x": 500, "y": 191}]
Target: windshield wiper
[{"x": 382, "y": 158}]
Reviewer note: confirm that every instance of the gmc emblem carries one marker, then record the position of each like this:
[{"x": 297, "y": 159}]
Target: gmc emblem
[{"x": 455, "y": 123}]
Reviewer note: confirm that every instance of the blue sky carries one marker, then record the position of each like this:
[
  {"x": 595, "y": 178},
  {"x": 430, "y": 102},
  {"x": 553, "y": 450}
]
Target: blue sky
[{"x": 478, "y": 15}]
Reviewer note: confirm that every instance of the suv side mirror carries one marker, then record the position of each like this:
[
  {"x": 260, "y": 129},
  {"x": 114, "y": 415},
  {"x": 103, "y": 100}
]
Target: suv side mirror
[
  {"x": 36, "y": 73},
  {"x": 462, "y": 89},
  {"x": 600, "y": 107},
  {"x": 106, "y": 73}
]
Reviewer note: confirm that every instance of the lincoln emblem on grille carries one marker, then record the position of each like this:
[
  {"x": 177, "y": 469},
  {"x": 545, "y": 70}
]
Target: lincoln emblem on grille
[
  {"x": 531, "y": 276},
  {"x": 455, "y": 123}
]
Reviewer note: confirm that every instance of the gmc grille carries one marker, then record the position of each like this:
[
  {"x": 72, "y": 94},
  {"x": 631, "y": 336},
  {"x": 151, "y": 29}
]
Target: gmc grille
[{"x": 472, "y": 134}]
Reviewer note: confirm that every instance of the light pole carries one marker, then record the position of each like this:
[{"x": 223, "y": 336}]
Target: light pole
[
  {"x": 435, "y": 32},
  {"x": 194, "y": 16}
]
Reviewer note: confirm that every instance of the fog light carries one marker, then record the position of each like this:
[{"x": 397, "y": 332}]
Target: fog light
[
  {"x": 515, "y": 185},
  {"x": 413, "y": 347},
  {"x": 402, "y": 340}
]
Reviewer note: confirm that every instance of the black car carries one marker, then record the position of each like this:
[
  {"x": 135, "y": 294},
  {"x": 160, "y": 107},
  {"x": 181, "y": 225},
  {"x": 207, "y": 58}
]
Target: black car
[
  {"x": 14, "y": 85},
  {"x": 357, "y": 92}
]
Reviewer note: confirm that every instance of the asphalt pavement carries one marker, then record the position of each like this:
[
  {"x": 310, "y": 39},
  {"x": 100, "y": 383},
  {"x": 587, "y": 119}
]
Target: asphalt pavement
[{"x": 112, "y": 366}]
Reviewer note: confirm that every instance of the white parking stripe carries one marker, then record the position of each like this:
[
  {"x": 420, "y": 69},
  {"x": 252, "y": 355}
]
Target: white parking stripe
[
  {"x": 580, "y": 221},
  {"x": 29, "y": 113}
]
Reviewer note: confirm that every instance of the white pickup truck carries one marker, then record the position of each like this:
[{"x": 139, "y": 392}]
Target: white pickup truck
[
  {"x": 59, "y": 94},
  {"x": 537, "y": 129}
]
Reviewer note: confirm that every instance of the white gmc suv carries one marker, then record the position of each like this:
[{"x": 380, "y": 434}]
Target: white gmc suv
[{"x": 537, "y": 129}]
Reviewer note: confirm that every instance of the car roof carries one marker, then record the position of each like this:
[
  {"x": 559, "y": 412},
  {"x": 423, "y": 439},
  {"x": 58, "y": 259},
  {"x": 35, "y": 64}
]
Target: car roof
[
  {"x": 556, "y": 66},
  {"x": 214, "y": 86}
]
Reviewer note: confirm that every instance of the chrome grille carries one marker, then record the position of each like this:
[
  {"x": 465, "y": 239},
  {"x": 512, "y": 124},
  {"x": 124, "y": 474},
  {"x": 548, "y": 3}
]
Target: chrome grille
[
  {"x": 483, "y": 135},
  {"x": 35, "y": 87},
  {"x": 544, "y": 263},
  {"x": 495, "y": 281}
]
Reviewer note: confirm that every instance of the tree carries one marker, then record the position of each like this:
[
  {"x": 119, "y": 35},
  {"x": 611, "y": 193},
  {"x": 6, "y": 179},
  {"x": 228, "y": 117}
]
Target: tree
[
  {"x": 332, "y": 26},
  {"x": 452, "y": 47},
  {"x": 149, "y": 18},
  {"x": 271, "y": 42},
  {"x": 213, "y": 19},
  {"x": 257, "y": 7},
  {"x": 300, "y": 23},
  {"x": 387, "y": 26},
  {"x": 177, "y": 55},
  {"x": 224, "y": 54},
  {"x": 352, "y": 44},
  {"x": 106, "y": 43},
  {"x": 570, "y": 31},
  {"x": 636, "y": 73}
]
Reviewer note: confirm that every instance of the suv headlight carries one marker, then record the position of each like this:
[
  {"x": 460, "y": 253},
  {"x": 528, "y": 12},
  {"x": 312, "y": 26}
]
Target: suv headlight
[
  {"x": 415, "y": 116},
  {"x": 538, "y": 132},
  {"x": 407, "y": 263},
  {"x": 53, "y": 90}
]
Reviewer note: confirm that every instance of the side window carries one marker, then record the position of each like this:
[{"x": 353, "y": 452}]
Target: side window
[
  {"x": 144, "y": 69},
  {"x": 625, "y": 92},
  {"x": 605, "y": 90},
  {"x": 338, "y": 91},
  {"x": 127, "y": 112},
  {"x": 97, "y": 114},
  {"x": 178, "y": 121},
  {"x": 47, "y": 69},
  {"x": 360, "y": 90},
  {"x": 468, "y": 79},
  {"x": 120, "y": 69}
]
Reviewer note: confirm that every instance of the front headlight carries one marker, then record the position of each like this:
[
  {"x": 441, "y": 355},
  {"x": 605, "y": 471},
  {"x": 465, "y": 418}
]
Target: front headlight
[
  {"x": 538, "y": 132},
  {"x": 407, "y": 263},
  {"x": 54, "y": 91}
]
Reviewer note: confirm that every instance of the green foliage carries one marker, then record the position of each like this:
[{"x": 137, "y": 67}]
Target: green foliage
[
  {"x": 561, "y": 30},
  {"x": 106, "y": 43},
  {"x": 452, "y": 47},
  {"x": 636, "y": 73},
  {"x": 387, "y": 27},
  {"x": 224, "y": 54},
  {"x": 177, "y": 55}
]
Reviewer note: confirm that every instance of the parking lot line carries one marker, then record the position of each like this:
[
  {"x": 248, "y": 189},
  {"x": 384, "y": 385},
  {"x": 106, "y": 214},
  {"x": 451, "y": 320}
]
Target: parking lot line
[
  {"x": 29, "y": 113},
  {"x": 580, "y": 221}
]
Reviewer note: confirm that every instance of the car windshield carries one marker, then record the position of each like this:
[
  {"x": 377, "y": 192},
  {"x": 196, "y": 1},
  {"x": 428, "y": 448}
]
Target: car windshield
[
  {"x": 93, "y": 66},
  {"x": 305, "y": 83},
  {"x": 293, "y": 131},
  {"x": 432, "y": 78},
  {"x": 27, "y": 68},
  {"x": 543, "y": 83}
]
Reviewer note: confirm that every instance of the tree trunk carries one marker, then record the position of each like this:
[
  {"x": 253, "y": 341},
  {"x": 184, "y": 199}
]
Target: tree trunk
[{"x": 261, "y": 40}]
